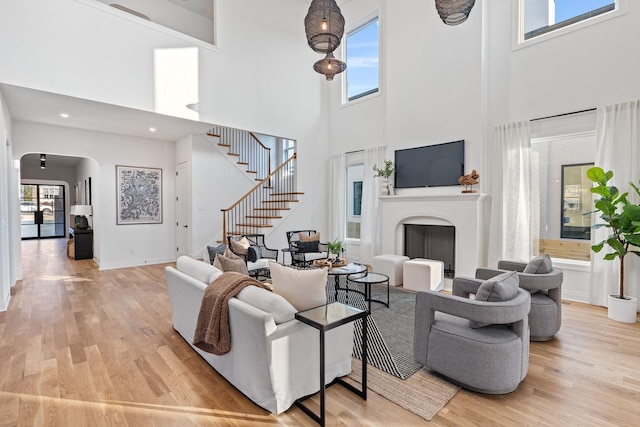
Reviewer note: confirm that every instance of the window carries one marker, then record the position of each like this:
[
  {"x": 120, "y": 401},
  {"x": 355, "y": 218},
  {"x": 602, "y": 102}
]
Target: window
[
  {"x": 576, "y": 202},
  {"x": 355, "y": 175},
  {"x": 357, "y": 198},
  {"x": 288, "y": 148},
  {"x": 544, "y": 16},
  {"x": 559, "y": 165},
  {"x": 362, "y": 58}
]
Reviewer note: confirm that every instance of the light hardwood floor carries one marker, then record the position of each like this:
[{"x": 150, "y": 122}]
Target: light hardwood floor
[{"x": 85, "y": 347}]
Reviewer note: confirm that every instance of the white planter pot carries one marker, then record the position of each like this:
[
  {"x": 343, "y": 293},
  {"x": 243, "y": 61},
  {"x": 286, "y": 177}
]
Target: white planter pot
[
  {"x": 384, "y": 189},
  {"x": 623, "y": 310}
]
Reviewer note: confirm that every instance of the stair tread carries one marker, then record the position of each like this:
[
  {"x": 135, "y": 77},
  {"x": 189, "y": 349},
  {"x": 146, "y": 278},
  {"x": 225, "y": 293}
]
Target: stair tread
[
  {"x": 271, "y": 209},
  {"x": 264, "y": 216},
  {"x": 280, "y": 201},
  {"x": 288, "y": 194}
]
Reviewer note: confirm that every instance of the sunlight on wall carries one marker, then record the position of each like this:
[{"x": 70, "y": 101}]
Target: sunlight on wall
[{"x": 177, "y": 80}]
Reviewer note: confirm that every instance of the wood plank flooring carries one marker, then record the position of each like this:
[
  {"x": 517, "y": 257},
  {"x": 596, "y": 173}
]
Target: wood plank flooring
[{"x": 85, "y": 347}]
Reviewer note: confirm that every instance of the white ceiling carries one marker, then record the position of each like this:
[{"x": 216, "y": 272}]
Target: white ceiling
[{"x": 45, "y": 107}]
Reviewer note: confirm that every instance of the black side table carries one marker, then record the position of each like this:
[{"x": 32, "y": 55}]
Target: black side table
[
  {"x": 367, "y": 280},
  {"x": 325, "y": 318},
  {"x": 83, "y": 241}
]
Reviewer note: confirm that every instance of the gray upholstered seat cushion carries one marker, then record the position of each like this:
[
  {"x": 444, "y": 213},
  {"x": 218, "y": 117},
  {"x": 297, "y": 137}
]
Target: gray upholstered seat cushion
[{"x": 493, "y": 334}]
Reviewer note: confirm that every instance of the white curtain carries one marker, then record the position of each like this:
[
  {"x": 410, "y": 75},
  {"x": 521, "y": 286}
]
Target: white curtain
[
  {"x": 513, "y": 227},
  {"x": 618, "y": 150},
  {"x": 337, "y": 198},
  {"x": 370, "y": 226}
]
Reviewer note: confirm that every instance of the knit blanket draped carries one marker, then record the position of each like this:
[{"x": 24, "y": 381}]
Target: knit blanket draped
[{"x": 213, "y": 333}]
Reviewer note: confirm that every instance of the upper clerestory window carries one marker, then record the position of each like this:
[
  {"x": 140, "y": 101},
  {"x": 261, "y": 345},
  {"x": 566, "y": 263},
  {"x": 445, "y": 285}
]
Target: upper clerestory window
[
  {"x": 362, "y": 53},
  {"x": 540, "y": 17}
]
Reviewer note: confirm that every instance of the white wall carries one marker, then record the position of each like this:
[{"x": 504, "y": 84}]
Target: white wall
[
  {"x": 114, "y": 245},
  {"x": 259, "y": 78},
  {"x": 6, "y": 280}
]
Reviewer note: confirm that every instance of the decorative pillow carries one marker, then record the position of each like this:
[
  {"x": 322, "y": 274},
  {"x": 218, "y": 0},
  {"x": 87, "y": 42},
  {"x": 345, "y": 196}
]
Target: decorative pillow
[
  {"x": 281, "y": 309},
  {"x": 229, "y": 254},
  {"x": 236, "y": 264},
  {"x": 254, "y": 253},
  {"x": 304, "y": 289},
  {"x": 197, "y": 269},
  {"x": 309, "y": 238},
  {"x": 215, "y": 250},
  {"x": 539, "y": 265},
  {"x": 241, "y": 246},
  {"x": 502, "y": 287},
  {"x": 304, "y": 247}
]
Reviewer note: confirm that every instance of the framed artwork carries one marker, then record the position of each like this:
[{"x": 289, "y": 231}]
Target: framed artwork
[{"x": 139, "y": 195}]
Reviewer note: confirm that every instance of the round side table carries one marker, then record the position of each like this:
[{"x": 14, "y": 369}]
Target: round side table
[{"x": 367, "y": 280}]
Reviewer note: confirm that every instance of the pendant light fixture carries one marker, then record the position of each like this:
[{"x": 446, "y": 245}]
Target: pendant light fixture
[
  {"x": 324, "y": 28},
  {"x": 329, "y": 66},
  {"x": 454, "y": 12}
]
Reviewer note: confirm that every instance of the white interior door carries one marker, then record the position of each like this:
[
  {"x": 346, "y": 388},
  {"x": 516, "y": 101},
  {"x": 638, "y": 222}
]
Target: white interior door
[{"x": 182, "y": 209}]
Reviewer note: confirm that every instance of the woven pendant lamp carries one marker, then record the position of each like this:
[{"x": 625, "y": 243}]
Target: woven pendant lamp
[
  {"x": 324, "y": 26},
  {"x": 454, "y": 12},
  {"x": 329, "y": 66}
]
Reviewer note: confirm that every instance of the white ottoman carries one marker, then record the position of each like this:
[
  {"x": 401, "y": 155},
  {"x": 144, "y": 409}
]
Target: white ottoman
[
  {"x": 423, "y": 274},
  {"x": 390, "y": 265}
]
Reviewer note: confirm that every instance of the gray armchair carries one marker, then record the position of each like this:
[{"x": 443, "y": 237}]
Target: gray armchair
[
  {"x": 492, "y": 359},
  {"x": 545, "y": 316}
]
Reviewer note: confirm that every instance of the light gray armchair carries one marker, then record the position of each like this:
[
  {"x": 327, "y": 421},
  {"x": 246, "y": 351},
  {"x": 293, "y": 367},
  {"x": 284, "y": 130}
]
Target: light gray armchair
[
  {"x": 491, "y": 359},
  {"x": 545, "y": 316}
]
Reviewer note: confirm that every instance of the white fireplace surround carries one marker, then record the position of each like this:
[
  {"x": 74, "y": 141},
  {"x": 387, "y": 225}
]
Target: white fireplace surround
[{"x": 464, "y": 211}]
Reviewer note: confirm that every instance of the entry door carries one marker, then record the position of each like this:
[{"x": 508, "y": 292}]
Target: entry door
[
  {"x": 42, "y": 213},
  {"x": 182, "y": 209}
]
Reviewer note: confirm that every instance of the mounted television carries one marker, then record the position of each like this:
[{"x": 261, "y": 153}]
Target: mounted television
[{"x": 430, "y": 166}]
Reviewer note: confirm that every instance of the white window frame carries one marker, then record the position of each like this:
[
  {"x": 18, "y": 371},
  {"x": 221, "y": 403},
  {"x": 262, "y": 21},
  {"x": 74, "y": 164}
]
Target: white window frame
[
  {"x": 359, "y": 25},
  {"x": 351, "y": 159},
  {"x": 518, "y": 24}
]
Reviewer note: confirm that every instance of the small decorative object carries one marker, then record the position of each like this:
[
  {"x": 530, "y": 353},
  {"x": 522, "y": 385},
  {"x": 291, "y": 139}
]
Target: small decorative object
[
  {"x": 469, "y": 180},
  {"x": 385, "y": 174},
  {"x": 454, "y": 12},
  {"x": 335, "y": 248},
  {"x": 139, "y": 195},
  {"x": 625, "y": 232}
]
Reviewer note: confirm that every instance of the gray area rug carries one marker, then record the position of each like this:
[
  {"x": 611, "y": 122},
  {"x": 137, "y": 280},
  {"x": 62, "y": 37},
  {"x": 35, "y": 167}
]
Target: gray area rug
[{"x": 389, "y": 331}]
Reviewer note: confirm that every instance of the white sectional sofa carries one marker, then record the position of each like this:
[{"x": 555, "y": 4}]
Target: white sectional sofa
[{"x": 274, "y": 359}]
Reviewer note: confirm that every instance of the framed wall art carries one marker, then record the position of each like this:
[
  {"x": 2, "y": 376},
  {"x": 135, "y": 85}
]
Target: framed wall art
[{"x": 139, "y": 195}]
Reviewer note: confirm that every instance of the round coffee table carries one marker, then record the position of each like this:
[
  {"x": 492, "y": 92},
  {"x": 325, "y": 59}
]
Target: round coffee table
[
  {"x": 345, "y": 270},
  {"x": 367, "y": 280}
]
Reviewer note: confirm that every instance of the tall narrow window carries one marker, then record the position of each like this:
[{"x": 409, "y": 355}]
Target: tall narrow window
[
  {"x": 355, "y": 175},
  {"x": 362, "y": 58}
]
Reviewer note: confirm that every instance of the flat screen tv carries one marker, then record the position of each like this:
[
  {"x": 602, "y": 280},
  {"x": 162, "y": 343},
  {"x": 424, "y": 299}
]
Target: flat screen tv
[{"x": 430, "y": 166}]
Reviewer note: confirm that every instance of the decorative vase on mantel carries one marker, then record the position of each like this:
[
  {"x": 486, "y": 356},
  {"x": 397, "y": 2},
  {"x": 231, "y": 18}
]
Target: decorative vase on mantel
[{"x": 385, "y": 188}]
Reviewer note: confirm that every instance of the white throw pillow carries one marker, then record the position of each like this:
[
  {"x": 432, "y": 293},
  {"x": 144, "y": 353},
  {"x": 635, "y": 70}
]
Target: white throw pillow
[
  {"x": 199, "y": 270},
  {"x": 304, "y": 289},
  {"x": 281, "y": 309}
]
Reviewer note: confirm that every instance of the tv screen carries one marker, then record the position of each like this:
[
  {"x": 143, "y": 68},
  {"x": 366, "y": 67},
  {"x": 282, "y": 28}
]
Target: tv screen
[{"x": 430, "y": 166}]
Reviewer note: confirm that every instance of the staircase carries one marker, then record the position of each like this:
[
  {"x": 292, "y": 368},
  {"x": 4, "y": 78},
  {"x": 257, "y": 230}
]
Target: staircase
[{"x": 270, "y": 199}]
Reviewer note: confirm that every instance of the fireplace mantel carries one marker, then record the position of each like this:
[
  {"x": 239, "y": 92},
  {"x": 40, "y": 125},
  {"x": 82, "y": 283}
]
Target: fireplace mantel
[{"x": 464, "y": 211}]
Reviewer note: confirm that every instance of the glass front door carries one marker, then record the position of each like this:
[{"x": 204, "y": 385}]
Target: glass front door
[{"x": 42, "y": 212}]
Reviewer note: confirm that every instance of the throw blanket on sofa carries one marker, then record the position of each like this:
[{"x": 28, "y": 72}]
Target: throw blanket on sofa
[{"x": 213, "y": 333}]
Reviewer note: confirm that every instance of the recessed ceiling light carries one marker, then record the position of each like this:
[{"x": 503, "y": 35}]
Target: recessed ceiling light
[
  {"x": 152, "y": 129},
  {"x": 64, "y": 115}
]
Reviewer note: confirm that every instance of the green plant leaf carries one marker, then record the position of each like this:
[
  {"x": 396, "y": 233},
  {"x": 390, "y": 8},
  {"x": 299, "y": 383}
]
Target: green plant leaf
[
  {"x": 597, "y": 248},
  {"x": 611, "y": 256},
  {"x": 601, "y": 190},
  {"x": 634, "y": 239},
  {"x": 596, "y": 174},
  {"x": 617, "y": 246},
  {"x": 605, "y": 206}
]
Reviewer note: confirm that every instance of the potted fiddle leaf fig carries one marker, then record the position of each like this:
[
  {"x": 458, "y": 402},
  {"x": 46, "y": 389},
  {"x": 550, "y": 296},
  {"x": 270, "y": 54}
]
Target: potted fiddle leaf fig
[
  {"x": 384, "y": 174},
  {"x": 623, "y": 219}
]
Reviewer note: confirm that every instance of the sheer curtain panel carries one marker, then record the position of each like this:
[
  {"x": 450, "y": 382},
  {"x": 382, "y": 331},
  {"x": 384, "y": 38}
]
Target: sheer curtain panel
[
  {"x": 370, "y": 226},
  {"x": 337, "y": 197},
  {"x": 512, "y": 228},
  {"x": 618, "y": 150}
]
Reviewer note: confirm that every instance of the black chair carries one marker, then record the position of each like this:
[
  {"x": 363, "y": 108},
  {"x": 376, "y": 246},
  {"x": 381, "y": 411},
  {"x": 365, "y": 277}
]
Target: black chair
[
  {"x": 301, "y": 255},
  {"x": 257, "y": 256}
]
